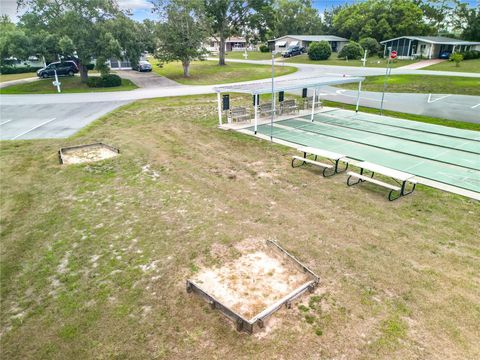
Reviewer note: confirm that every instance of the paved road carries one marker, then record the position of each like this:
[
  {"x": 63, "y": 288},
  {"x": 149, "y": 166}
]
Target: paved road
[
  {"x": 38, "y": 121},
  {"x": 61, "y": 115}
]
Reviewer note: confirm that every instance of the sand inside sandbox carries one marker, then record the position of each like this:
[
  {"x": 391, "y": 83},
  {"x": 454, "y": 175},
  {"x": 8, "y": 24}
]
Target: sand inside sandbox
[
  {"x": 251, "y": 283},
  {"x": 87, "y": 154}
]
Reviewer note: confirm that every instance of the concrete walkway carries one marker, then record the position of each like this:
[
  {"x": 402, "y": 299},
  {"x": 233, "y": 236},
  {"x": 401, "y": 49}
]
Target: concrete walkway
[
  {"x": 16, "y": 82},
  {"x": 421, "y": 64}
]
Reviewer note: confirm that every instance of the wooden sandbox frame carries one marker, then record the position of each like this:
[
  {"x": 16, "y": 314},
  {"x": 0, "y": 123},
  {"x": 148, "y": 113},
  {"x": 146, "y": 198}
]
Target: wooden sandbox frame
[
  {"x": 248, "y": 325},
  {"x": 65, "y": 149}
]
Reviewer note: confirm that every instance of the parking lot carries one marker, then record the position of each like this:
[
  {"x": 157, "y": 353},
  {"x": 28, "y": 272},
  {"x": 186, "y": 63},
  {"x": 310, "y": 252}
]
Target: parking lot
[{"x": 20, "y": 122}]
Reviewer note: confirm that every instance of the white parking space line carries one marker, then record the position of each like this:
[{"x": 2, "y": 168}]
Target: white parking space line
[
  {"x": 3, "y": 123},
  {"x": 440, "y": 98},
  {"x": 475, "y": 106},
  {"x": 36, "y": 127}
]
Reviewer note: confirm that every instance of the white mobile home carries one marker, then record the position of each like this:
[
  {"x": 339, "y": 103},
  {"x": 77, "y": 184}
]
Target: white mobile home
[
  {"x": 283, "y": 42},
  {"x": 430, "y": 47}
]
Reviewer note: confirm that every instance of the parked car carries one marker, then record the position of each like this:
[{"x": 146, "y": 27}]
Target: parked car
[
  {"x": 445, "y": 54},
  {"x": 293, "y": 50},
  {"x": 68, "y": 68},
  {"x": 143, "y": 66}
]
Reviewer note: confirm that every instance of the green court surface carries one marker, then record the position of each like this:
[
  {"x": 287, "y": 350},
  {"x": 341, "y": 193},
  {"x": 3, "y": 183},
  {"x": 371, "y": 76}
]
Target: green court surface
[{"x": 443, "y": 154}]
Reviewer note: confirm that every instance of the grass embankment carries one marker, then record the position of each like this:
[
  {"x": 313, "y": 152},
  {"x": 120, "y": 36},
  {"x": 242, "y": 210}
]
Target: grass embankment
[
  {"x": 333, "y": 60},
  {"x": 472, "y": 66},
  {"x": 94, "y": 257},
  {"x": 10, "y": 77},
  {"x": 422, "y": 118},
  {"x": 68, "y": 85},
  {"x": 421, "y": 84},
  {"x": 209, "y": 72}
]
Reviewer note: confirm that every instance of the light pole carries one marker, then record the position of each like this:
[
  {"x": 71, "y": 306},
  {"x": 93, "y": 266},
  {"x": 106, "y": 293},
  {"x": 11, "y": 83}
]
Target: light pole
[
  {"x": 273, "y": 95},
  {"x": 387, "y": 72}
]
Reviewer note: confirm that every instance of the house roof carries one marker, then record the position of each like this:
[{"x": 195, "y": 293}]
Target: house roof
[
  {"x": 312, "y": 38},
  {"x": 265, "y": 87},
  {"x": 435, "y": 40}
]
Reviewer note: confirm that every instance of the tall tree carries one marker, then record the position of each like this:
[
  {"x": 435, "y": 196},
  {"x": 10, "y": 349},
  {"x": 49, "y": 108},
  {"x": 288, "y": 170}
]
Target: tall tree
[
  {"x": 295, "y": 17},
  {"x": 13, "y": 41},
  {"x": 381, "y": 19},
  {"x": 229, "y": 17},
  {"x": 182, "y": 32},
  {"x": 93, "y": 29},
  {"x": 467, "y": 20}
]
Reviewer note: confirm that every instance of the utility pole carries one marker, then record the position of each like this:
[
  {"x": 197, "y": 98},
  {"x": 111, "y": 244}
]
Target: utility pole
[{"x": 273, "y": 95}]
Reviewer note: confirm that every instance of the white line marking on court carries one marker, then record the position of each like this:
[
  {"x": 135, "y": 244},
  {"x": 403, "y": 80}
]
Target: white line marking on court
[
  {"x": 3, "y": 123},
  {"x": 440, "y": 98},
  {"x": 473, "y": 107},
  {"x": 36, "y": 127}
]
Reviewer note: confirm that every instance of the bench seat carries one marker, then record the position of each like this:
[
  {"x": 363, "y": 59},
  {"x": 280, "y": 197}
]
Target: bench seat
[
  {"x": 313, "y": 162},
  {"x": 374, "y": 181}
]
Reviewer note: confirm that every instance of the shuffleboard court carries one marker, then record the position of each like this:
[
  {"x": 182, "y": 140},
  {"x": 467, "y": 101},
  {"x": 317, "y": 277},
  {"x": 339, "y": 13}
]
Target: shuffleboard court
[
  {"x": 414, "y": 125},
  {"x": 438, "y": 153},
  {"x": 403, "y": 133},
  {"x": 443, "y": 159}
]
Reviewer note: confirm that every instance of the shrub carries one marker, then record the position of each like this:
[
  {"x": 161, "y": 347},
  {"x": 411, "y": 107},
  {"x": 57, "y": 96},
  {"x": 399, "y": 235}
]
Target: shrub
[
  {"x": 319, "y": 50},
  {"x": 371, "y": 45},
  {"x": 90, "y": 66},
  {"x": 264, "y": 48},
  {"x": 110, "y": 80},
  {"x": 457, "y": 58},
  {"x": 18, "y": 70},
  {"x": 472, "y": 54},
  {"x": 352, "y": 51}
]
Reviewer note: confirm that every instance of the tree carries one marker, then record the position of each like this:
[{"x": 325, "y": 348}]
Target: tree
[
  {"x": 319, "y": 50},
  {"x": 457, "y": 58},
  {"x": 92, "y": 29},
  {"x": 381, "y": 19},
  {"x": 229, "y": 17},
  {"x": 467, "y": 20},
  {"x": 351, "y": 51},
  {"x": 13, "y": 41},
  {"x": 295, "y": 17},
  {"x": 371, "y": 45},
  {"x": 182, "y": 34}
]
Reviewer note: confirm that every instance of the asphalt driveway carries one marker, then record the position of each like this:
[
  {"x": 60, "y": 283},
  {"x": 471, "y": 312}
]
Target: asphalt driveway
[{"x": 146, "y": 79}]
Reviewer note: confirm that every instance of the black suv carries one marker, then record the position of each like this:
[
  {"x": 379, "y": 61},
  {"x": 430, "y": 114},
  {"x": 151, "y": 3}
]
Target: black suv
[
  {"x": 63, "y": 68},
  {"x": 293, "y": 50}
]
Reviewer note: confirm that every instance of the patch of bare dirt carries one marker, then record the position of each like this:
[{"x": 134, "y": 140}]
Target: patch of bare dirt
[
  {"x": 87, "y": 154},
  {"x": 252, "y": 282}
]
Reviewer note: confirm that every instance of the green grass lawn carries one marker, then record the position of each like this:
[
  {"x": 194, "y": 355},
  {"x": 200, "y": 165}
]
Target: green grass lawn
[
  {"x": 69, "y": 85},
  {"x": 94, "y": 257},
  {"x": 209, "y": 72},
  {"x": 472, "y": 66},
  {"x": 252, "y": 55},
  {"x": 421, "y": 84},
  {"x": 333, "y": 60},
  {"x": 10, "y": 77}
]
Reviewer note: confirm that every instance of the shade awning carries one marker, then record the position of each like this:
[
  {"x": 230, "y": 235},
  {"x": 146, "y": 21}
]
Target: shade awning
[
  {"x": 265, "y": 87},
  {"x": 281, "y": 43}
]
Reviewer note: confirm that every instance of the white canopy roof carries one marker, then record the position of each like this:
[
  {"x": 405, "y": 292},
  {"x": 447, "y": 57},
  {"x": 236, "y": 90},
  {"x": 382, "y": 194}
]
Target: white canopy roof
[{"x": 265, "y": 87}]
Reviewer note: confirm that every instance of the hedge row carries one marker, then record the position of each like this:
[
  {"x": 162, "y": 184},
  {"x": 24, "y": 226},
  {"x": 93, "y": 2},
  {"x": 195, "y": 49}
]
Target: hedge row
[
  {"x": 469, "y": 55},
  {"x": 110, "y": 80},
  {"x": 18, "y": 70}
]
